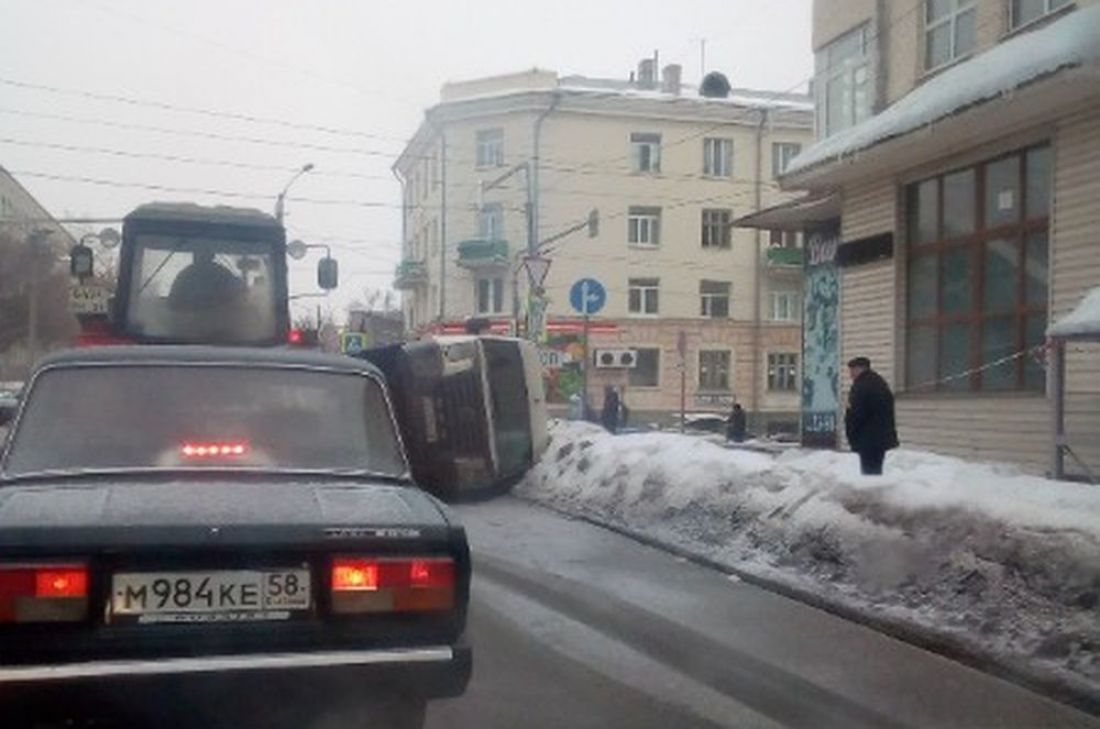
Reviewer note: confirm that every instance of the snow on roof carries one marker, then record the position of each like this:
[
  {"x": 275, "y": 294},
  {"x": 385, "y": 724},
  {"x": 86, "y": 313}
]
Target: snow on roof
[
  {"x": 1065, "y": 43},
  {"x": 688, "y": 92},
  {"x": 192, "y": 212},
  {"x": 605, "y": 87},
  {"x": 1084, "y": 321}
]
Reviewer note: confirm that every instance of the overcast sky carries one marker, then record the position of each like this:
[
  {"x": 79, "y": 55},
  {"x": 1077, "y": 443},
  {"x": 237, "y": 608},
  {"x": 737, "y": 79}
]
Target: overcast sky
[{"x": 365, "y": 68}]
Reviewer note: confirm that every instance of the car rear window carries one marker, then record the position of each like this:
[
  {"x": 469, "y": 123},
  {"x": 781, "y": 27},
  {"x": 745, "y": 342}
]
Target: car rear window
[{"x": 203, "y": 416}]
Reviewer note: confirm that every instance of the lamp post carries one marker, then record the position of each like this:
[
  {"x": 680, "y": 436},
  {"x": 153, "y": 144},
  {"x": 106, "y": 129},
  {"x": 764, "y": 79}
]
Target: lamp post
[{"x": 280, "y": 202}]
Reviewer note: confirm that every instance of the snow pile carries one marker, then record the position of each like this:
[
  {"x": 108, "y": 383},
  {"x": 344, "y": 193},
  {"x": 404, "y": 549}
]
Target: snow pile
[
  {"x": 1005, "y": 563},
  {"x": 1065, "y": 43},
  {"x": 1082, "y": 321}
]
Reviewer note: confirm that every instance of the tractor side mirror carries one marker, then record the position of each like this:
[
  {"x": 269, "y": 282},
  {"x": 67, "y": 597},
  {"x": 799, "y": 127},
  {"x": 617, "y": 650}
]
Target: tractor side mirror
[
  {"x": 81, "y": 261},
  {"x": 328, "y": 273}
]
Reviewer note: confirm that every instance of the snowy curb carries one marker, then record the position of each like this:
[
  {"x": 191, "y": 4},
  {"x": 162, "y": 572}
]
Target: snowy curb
[{"x": 679, "y": 495}]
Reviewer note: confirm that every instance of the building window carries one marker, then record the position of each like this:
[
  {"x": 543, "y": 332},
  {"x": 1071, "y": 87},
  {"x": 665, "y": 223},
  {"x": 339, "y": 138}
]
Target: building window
[
  {"x": 784, "y": 238},
  {"x": 490, "y": 221},
  {"x": 1027, "y": 11},
  {"x": 783, "y": 372},
  {"x": 490, "y": 295},
  {"x": 843, "y": 87},
  {"x": 714, "y": 370},
  {"x": 645, "y": 152},
  {"x": 643, "y": 226},
  {"x": 977, "y": 275},
  {"x": 642, "y": 296},
  {"x": 949, "y": 30},
  {"x": 646, "y": 371},
  {"x": 490, "y": 147},
  {"x": 718, "y": 157},
  {"x": 782, "y": 154},
  {"x": 714, "y": 298},
  {"x": 717, "y": 228},
  {"x": 785, "y": 306}
]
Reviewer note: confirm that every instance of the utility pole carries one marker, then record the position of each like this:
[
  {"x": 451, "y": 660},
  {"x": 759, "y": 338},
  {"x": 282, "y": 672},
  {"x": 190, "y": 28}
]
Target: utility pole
[
  {"x": 525, "y": 168},
  {"x": 34, "y": 240},
  {"x": 757, "y": 270}
]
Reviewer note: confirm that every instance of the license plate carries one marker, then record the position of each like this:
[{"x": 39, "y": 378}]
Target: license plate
[{"x": 223, "y": 595}]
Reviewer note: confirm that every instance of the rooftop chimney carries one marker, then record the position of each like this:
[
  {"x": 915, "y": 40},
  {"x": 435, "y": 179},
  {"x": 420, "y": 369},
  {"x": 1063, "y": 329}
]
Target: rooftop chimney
[
  {"x": 670, "y": 78},
  {"x": 647, "y": 74}
]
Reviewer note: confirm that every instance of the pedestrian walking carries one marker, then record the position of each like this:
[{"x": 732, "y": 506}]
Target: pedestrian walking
[
  {"x": 624, "y": 411},
  {"x": 610, "y": 415},
  {"x": 869, "y": 420},
  {"x": 737, "y": 424}
]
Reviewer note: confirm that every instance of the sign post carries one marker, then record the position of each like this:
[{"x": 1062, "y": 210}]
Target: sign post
[
  {"x": 681, "y": 348},
  {"x": 587, "y": 297}
]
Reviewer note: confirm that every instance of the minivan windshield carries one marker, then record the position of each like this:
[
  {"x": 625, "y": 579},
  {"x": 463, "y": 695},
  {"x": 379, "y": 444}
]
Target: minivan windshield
[{"x": 206, "y": 417}]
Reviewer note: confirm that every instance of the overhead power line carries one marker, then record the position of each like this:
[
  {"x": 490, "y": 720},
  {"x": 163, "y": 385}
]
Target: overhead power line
[
  {"x": 233, "y": 194},
  {"x": 235, "y": 116},
  {"x": 187, "y": 160},
  {"x": 194, "y": 133}
]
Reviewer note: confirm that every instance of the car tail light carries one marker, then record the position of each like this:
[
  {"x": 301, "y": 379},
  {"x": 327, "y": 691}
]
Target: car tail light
[
  {"x": 43, "y": 593},
  {"x": 402, "y": 584}
]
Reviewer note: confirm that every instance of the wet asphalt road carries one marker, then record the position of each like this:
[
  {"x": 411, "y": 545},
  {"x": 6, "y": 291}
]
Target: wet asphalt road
[{"x": 576, "y": 626}]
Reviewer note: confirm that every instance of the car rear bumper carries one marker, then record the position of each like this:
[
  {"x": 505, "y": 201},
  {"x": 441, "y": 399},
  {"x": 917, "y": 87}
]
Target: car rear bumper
[{"x": 436, "y": 671}]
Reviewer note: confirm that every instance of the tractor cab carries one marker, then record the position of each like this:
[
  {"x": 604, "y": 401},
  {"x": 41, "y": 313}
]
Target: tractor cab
[{"x": 190, "y": 274}]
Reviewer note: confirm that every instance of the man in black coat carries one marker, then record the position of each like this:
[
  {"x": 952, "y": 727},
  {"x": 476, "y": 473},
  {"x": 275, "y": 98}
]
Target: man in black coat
[
  {"x": 737, "y": 424},
  {"x": 869, "y": 420},
  {"x": 610, "y": 415}
]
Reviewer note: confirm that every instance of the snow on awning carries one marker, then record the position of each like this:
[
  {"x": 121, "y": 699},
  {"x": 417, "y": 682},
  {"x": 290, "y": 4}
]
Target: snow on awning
[
  {"x": 1081, "y": 323},
  {"x": 1069, "y": 42}
]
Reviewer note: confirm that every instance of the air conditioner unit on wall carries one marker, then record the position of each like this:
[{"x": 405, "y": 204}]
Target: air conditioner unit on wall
[{"x": 611, "y": 358}]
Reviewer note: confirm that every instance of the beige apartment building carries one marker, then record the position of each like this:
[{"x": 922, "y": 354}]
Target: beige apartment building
[
  {"x": 955, "y": 191},
  {"x": 504, "y": 164}
]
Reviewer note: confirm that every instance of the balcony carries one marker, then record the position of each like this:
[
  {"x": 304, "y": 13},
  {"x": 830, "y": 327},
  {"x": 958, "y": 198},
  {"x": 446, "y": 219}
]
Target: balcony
[
  {"x": 785, "y": 258},
  {"x": 478, "y": 253},
  {"x": 410, "y": 274}
]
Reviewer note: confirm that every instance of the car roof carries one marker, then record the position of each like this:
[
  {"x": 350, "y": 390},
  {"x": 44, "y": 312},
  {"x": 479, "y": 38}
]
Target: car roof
[{"x": 197, "y": 355}]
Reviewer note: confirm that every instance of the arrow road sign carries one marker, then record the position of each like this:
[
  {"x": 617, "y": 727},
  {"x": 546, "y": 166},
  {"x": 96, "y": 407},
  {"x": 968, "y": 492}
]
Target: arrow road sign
[{"x": 588, "y": 296}]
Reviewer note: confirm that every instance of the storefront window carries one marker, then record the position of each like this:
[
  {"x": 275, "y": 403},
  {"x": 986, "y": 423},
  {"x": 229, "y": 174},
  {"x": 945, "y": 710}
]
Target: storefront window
[{"x": 977, "y": 277}]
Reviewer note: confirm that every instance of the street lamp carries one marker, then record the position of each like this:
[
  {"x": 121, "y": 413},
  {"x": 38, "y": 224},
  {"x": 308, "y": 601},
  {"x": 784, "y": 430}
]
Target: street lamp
[{"x": 280, "y": 202}]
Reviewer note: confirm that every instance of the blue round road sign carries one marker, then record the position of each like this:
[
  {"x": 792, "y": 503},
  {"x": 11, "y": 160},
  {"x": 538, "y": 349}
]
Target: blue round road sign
[{"x": 588, "y": 296}]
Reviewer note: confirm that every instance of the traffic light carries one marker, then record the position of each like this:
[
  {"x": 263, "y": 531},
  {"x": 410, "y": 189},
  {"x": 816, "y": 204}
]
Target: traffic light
[{"x": 593, "y": 223}]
